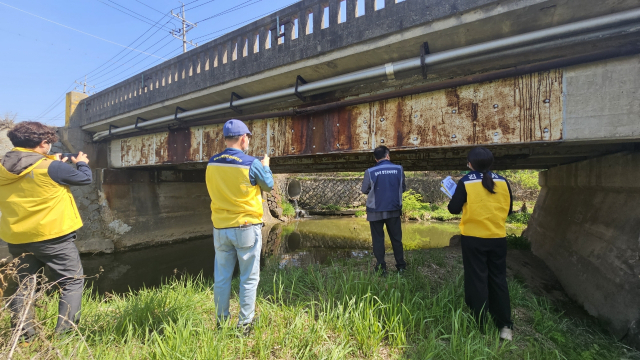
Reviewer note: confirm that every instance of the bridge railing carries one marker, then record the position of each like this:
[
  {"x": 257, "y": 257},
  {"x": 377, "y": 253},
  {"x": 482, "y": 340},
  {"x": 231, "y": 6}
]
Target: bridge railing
[{"x": 310, "y": 27}]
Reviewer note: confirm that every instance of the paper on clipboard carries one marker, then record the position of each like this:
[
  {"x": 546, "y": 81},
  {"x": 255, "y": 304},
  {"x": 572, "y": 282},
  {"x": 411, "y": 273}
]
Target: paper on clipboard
[{"x": 448, "y": 186}]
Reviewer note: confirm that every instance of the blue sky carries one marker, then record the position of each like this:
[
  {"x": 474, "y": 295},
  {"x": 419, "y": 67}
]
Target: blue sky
[{"x": 41, "y": 60}]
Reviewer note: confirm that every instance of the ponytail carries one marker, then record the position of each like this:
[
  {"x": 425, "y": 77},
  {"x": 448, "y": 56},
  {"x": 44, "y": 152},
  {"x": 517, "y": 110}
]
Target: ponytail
[
  {"x": 487, "y": 181},
  {"x": 481, "y": 159}
]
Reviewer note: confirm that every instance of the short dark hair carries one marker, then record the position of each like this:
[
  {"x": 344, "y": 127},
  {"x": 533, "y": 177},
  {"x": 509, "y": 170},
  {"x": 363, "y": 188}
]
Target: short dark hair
[
  {"x": 380, "y": 152},
  {"x": 232, "y": 138},
  {"x": 29, "y": 134}
]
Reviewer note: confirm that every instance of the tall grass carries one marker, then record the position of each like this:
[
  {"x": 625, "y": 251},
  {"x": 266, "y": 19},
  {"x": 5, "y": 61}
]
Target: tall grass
[{"x": 340, "y": 311}]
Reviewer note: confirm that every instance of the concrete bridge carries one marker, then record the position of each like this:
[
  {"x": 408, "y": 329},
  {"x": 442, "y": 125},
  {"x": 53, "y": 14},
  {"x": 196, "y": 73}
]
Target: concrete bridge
[{"x": 544, "y": 84}]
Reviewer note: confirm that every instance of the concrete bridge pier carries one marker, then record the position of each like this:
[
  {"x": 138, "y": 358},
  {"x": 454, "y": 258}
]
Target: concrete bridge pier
[{"x": 586, "y": 227}]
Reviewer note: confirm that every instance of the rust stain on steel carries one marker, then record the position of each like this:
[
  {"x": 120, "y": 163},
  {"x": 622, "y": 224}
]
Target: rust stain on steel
[
  {"x": 179, "y": 146},
  {"x": 506, "y": 111}
]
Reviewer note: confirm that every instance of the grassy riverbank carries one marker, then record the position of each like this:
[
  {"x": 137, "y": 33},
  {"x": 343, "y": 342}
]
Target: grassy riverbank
[{"x": 333, "y": 312}]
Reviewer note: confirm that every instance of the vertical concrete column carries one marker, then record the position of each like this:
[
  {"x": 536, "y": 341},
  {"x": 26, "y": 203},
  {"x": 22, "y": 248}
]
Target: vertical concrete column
[
  {"x": 351, "y": 10},
  {"x": 370, "y": 7},
  {"x": 334, "y": 11},
  {"x": 318, "y": 11},
  {"x": 302, "y": 24},
  {"x": 251, "y": 39},
  {"x": 262, "y": 34},
  {"x": 288, "y": 34},
  {"x": 585, "y": 227}
]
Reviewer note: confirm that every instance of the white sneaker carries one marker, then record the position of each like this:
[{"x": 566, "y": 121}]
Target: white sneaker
[{"x": 506, "y": 334}]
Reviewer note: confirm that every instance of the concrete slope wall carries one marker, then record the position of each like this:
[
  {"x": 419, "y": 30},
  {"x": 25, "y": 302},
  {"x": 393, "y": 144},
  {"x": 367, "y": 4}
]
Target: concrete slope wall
[{"x": 586, "y": 227}]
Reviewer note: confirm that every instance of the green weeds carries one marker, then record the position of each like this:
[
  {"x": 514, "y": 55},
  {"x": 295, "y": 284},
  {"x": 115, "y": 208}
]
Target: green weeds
[
  {"x": 413, "y": 208},
  {"x": 518, "y": 242},
  {"x": 342, "y": 311},
  {"x": 288, "y": 209}
]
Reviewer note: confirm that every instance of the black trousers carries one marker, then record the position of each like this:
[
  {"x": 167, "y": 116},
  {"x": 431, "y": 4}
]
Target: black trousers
[
  {"x": 394, "y": 228},
  {"x": 63, "y": 259},
  {"x": 485, "y": 279}
]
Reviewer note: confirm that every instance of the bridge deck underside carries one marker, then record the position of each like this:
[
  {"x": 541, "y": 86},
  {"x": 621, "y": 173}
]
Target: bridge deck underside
[{"x": 523, "y": 112}]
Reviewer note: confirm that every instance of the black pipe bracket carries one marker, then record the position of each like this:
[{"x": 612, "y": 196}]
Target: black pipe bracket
[
  {"x": 178, "y": 110},
  {"x": 299, "y": 80},
  {"x": 138, "y": 120},
  {"x": 112, "y": 127},
  {"x": 238, "y": 97},
  {"x": 424, "y": 51}
]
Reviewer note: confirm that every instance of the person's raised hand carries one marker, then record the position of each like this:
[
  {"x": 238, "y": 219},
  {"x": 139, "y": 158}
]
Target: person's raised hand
[
  {"x": 59, "y": 157},
  {"x": 81, "y": 157},
  {"x": 265, "y": 160}
]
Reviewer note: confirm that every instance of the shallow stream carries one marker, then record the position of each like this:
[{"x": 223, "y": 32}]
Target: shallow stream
[{"x": 300, "y": 243}]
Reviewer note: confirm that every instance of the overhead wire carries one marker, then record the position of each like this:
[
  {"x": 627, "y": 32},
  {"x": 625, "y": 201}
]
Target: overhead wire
[
  {"x": 156, "y": 10},
  {"x": 128, "y": 68},
  {"x": 191, "y": 2},
  {"x": 50, "y": 108},
  {"x": 197, "y": 6},
  {"x": 232, "y": 9},
  {"x": 126, "y": 13},
  {"x": 130, "y": 74},
  {"x": 69, "y": 27},
  {"x": 244, "y": 22},
  {"x": 96, "y": 77}
]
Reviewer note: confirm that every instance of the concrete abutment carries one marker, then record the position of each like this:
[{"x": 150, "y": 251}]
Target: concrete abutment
[{"x": 586, "y": 227}]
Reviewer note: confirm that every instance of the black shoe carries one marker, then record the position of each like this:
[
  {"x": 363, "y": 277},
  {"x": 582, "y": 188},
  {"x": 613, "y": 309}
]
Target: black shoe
[
  {"x": 383, "y": 273},
  {"x": 402, "y": 271}
]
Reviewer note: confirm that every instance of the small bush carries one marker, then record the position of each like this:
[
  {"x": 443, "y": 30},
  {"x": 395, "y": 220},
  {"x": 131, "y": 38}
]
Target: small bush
[
  {"x": 361, "y": 213},
  {"x": 527, "y": 179},
  {"x": 519, "y": 218},
  {"x": 518, "y": 242},
  {"x": 288, "y": 209}
]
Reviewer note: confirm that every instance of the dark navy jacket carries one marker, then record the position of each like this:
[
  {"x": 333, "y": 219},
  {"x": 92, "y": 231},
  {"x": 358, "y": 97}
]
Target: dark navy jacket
[{"x": 384, "y": 185}]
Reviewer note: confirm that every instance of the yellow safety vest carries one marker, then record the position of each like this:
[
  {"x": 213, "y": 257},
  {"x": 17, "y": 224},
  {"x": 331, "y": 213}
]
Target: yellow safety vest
[
  {"x": 484, "y": 214},
  {"x": 234, "y": 201},
  {"x": 34, "y": 207}
]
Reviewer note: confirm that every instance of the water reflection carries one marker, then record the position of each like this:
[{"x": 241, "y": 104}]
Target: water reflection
[
  {"x": 319, "y": 241},
  {"x": 301, "y": 243}
]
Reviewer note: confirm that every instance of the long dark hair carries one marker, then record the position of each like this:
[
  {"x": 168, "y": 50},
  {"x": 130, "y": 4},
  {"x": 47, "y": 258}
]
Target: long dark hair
[{"x": 481, "y": 160}]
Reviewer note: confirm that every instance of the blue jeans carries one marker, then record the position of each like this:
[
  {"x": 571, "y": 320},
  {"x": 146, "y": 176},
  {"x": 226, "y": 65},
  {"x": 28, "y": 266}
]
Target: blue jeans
[{"x": 245, "y": 245}]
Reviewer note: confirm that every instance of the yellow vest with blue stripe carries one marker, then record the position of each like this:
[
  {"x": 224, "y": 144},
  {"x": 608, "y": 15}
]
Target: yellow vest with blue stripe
[
  {"x": 484, "y": 214},
  {"x": 234, "y": 201},
  {"x": 33, "y": 206}
]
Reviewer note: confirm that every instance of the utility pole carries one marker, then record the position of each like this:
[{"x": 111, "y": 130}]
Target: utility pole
[
  {"x": 186, "y": 27},
  {"x": 84, "y": 85}
]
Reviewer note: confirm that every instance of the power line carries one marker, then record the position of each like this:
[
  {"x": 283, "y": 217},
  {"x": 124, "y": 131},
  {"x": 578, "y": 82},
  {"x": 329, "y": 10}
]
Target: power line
[
  {"x": 244, "y": 22},
  {"x": 126, "y": 13},
  {"x": 138, "y": 71},
  {"x": 57, "y": 100},
  {"x": 175, "y": 8},
  {"x": 197, "y": 6},
  {"x": 49, "y": 108},
  {"x": 80, "y": 31},
  {"x": 237, "y": 7},
  {"x": 154, "y": 9},
  {"x": 98, "y": 76},
  {"x": 105, "y": 80}
]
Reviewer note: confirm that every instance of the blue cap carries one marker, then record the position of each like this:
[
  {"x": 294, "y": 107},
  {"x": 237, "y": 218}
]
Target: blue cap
[{"x": 235, "y": 127}]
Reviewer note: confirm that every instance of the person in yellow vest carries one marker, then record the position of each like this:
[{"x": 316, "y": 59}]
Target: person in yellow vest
[
  {"x": 485, "y": 200},
  {"x": 235, "y": 182},
  {"x": 39, "y": 219}
]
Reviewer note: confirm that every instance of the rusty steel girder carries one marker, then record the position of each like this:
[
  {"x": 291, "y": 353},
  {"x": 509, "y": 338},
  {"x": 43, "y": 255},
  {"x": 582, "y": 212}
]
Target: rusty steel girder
[{"x": 514, "y": 110}]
